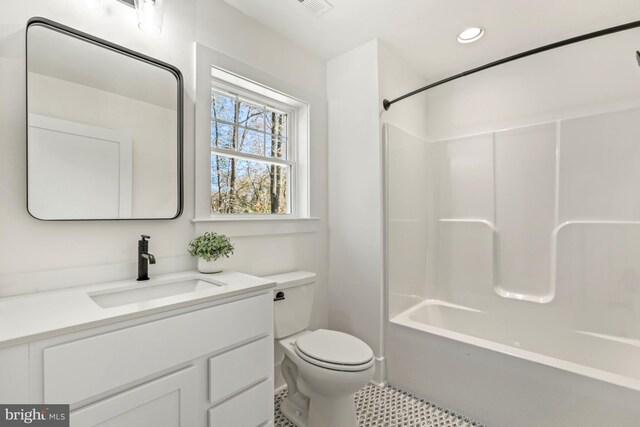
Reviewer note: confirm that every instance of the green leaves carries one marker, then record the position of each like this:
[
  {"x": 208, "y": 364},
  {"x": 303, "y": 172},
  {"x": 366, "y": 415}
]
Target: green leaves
[{"x": 211, "y": 246}]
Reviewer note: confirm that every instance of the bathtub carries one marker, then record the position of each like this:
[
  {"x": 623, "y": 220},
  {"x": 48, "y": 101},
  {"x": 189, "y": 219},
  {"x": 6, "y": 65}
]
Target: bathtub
[
  {"x": 508, "y": 300},
  {"x": 525, "y": 335}
]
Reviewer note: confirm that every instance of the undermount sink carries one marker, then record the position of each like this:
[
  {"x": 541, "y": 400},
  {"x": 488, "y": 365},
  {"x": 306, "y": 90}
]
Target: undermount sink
[{"x": 140, "y": 293}]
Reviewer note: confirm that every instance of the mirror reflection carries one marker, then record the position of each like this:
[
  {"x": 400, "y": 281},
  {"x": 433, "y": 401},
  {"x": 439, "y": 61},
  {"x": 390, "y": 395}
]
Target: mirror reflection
[{"x": 104, "y": 130}]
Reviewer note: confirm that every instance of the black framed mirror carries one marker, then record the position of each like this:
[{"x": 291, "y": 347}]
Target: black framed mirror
[{"x": 104, "y": 129}]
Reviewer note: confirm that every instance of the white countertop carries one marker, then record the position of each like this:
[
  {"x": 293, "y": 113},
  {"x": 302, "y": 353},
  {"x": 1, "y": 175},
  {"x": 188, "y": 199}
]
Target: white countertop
[{"x": 27, "y": 318}]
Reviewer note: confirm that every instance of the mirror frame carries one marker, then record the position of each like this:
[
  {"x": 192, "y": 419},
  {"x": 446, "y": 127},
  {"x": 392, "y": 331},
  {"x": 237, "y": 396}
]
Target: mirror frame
[{"x": 56, "y": 26}]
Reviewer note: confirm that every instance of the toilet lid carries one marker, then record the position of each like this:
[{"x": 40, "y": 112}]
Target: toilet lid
[{"x": 333, "y": 347}]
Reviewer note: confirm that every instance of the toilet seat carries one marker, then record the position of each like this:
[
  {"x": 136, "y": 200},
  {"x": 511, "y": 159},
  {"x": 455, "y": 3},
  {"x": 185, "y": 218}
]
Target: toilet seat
[{"x": 334, "y": 350}]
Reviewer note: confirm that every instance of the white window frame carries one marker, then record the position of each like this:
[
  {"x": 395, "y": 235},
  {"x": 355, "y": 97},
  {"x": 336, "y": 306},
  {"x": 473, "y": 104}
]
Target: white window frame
[
  {"x": 212, "y": 66},
  {"x": 242, "y": 94}
]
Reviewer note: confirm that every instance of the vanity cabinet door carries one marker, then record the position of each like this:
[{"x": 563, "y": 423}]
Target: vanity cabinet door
[{"x": 165, "y": 402}]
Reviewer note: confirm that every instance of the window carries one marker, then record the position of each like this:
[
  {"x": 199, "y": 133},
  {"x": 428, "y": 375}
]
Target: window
[
  {"x": 252, "y": 145},
  {"x": 252, "y": 154}
]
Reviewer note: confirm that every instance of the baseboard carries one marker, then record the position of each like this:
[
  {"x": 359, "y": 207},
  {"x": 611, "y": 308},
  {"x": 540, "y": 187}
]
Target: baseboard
[
  {"x": 382, "y": 384},
  {"x": 279, "y": 389},
  {"x": 278, "y": 380},
  {"x": 380, "y": 375}
]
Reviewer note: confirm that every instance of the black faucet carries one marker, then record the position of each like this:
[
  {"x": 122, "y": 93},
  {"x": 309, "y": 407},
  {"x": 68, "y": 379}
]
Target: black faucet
[{"x": 144, "y": 258}]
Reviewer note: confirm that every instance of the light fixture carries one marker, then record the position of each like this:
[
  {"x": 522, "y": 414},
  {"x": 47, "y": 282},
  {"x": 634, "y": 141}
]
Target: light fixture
[
  {"x": 150, "y": 15},
  {"x": 149, "y": 12},
  {"x": 470, "y": 35}
]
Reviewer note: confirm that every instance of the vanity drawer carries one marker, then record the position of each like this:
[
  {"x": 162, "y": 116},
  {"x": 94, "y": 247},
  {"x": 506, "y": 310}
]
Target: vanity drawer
[
  {"x": 252, "y": 408},
  {"x": 240, "y": 368},
  {"x": 81, "y": 369}
]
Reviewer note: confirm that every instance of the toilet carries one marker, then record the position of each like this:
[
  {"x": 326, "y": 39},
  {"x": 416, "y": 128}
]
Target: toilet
[{"x": 323, "y": 368}]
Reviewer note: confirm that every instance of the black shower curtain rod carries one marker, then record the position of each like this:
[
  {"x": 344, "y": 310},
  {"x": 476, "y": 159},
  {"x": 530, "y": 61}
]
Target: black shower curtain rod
[{"x": 386, "y": 103}]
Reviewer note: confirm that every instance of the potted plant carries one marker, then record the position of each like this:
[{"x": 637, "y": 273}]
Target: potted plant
[{"x": 211, "y": 249}]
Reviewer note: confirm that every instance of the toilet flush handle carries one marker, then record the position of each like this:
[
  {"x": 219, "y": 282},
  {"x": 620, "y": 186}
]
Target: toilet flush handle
[{"x": 279, "y": 296}]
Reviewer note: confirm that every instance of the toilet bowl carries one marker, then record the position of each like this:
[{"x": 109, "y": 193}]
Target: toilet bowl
[{"x": 323, "y": 368}]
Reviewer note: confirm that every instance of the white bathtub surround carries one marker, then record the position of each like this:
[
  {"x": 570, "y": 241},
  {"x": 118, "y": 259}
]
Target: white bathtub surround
[
  {"x": 522, "y": 241},
  {"x": 530, "y": 242},
  {"x": 381, "y": 406}
]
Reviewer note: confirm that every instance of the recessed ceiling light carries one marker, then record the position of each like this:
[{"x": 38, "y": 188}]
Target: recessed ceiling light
[{"x": 470, "y": 35}]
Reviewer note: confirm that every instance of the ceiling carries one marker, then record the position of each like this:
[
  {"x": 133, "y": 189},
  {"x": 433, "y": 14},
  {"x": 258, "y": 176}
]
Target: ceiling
[{"x": 424, "y": 32}]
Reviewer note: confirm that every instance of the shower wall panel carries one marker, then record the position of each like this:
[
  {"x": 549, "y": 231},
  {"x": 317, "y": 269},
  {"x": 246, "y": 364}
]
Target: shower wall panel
[
  {"x": 489, "y": 214},
  {"x": 600, "y": 167},
  {"x": 496, "y": 212},
  {"x": 407, "y": 194},
  {"x": 525, "y": 181},
  {"x": 465, "y": 259},
  {"x": 465, "y": 178}
]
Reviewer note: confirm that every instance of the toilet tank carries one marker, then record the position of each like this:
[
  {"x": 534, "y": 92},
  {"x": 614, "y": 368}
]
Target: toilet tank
[{"x": 292, "y": 302}]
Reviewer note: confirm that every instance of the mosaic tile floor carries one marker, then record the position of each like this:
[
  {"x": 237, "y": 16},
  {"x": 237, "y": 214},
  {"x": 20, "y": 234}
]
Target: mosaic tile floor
[{"x": 391, "y": 407}]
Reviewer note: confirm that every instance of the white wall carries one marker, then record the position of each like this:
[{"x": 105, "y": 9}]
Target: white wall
[
  {"x": 355, "y": 209},
  {"x": 68, "y": 253},
  {"x": 396, "y": 77},
  {"x": 357, "y": 82},
  {"x": 36, "y": 255}
]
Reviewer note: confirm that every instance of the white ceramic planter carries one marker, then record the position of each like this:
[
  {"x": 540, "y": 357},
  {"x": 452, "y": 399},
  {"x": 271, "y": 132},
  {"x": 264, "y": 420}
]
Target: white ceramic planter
[{"x": 211, "y": 266}]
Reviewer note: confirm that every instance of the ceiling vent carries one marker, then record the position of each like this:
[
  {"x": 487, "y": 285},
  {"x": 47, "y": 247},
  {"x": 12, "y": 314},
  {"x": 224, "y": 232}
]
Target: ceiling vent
[{"x": 316, "y": 7}]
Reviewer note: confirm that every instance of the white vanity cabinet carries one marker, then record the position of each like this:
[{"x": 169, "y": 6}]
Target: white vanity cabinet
[{"x": 208, "y": 364}]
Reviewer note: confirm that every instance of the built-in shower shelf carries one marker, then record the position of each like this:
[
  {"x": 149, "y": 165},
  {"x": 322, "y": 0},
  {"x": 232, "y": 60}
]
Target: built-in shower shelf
[
  {"x": 592, "y": 222},
  {"x": 542, "y": 298},
  {"x": 496, "y": 284}
]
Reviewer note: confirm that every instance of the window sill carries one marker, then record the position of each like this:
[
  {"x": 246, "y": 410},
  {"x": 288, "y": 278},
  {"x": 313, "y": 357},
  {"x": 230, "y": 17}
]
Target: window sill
[
  {"x": 247, "y": 227},
  {"x": 250, "y": 219}
]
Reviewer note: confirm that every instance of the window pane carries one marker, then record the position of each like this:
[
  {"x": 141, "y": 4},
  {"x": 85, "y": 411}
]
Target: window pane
[
  {"x": 250, "y": 141},
  {"x": 223, "y": 107},
  {"x": 221, "y": 135},
  {"x": 220, "y": 168},
  {"x": 276, "y": 123},
  {"x": 246, "y": 187},
  {"x": 251, "y": 116},
  {"x": 276, "y": 147}
]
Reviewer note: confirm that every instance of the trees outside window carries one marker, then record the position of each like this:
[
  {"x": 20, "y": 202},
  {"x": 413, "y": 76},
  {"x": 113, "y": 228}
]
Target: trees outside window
[{"x": 251, "y": 156}]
